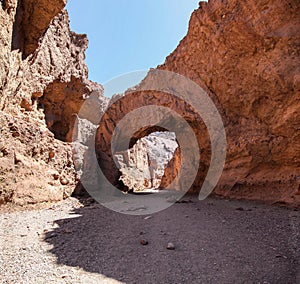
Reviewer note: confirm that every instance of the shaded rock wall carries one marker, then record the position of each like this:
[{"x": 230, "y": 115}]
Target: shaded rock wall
[
  {"x": 42, "y": 66},
  {"x": 61, "y": 102},
  {"x": 32, "y": 20}
]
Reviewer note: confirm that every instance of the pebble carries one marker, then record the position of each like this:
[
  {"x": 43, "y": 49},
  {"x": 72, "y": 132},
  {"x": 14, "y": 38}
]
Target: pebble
[
  {"x": 56, "y": 176},
  {"x": 144, "y": 242},
  {"x": 170, "y": 246},
  {"x": 51, "y": 154}
]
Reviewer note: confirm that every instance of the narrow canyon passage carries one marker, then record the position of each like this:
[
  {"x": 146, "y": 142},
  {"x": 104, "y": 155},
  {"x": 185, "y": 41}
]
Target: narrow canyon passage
[
  {"x": 151, "y": 161},
  {"x": 61, "y": 132}
]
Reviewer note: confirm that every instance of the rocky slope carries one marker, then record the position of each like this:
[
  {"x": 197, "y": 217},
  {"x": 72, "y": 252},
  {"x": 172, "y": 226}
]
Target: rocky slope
[{"x": 42, "y": 86}]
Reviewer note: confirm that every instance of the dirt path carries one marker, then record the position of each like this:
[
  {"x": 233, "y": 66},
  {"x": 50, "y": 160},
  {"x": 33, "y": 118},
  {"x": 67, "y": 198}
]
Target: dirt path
[{"x": 216, "y": 241}]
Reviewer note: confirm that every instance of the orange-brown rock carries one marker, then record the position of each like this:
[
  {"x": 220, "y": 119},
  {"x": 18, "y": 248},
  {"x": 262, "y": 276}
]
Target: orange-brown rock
[
  {"x": 158, "y": 121},
  {"x": 172, "y": 170},
  {"x": 32, "y": 20},
  {"x": 246, "y": 55}
]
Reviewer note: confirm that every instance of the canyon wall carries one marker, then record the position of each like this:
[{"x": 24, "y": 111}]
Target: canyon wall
[
  {"x": 42, "y": 86},
  {"x": 244, "y": 54}
]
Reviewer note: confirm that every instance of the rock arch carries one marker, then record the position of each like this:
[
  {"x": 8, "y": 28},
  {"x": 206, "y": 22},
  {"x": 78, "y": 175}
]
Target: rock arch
[{"x": 122, "y": 106}]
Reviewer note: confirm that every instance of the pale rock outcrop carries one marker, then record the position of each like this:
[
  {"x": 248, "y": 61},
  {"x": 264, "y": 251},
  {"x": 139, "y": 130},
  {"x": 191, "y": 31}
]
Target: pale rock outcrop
[{"x": 143, "y": 166}]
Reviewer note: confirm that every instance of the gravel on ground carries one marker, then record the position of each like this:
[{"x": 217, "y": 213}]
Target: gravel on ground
[{"x": 213, "y": 241}]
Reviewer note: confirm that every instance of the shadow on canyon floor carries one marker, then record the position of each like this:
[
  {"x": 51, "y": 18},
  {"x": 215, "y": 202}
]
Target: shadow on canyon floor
[{"x": 216, "y": 241}]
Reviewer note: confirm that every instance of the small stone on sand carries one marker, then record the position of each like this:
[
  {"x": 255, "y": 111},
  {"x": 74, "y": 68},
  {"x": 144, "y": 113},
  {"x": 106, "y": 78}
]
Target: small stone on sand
[
  {"x": 170, "y": 246},
  {"x": 144, "y": 242}
]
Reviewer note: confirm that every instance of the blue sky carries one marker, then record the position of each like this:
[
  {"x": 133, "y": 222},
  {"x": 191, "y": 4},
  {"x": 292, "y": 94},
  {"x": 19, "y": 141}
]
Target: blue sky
[{"x": 129, "y": 35}]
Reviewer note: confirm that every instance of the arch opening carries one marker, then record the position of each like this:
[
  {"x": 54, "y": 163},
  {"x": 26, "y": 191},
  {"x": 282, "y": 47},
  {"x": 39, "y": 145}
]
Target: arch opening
[
  {"x": 109, "y": 127},
  {"x": 151, "y": 163}
]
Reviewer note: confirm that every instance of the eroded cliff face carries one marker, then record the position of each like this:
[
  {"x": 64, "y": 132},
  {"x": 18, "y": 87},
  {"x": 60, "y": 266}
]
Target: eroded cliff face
[
  {"x": 42, "y": 86},
  {"x": 245, "y": 55}
]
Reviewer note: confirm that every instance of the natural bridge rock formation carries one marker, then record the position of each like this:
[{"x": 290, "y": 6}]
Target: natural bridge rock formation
[
  {"x": 160, "y": 111},
  {"x": 246, "y": 55}
]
